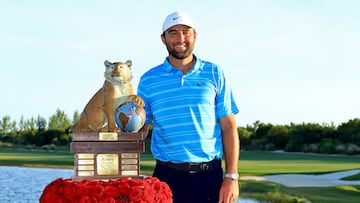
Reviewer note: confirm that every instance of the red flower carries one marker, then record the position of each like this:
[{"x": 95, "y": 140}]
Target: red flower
[
  {"x": 125, "y": 190},
  {"x": 111, "y": 191},
  {"x": 88, "y": 199},
  {"x": 69, "y": 189},
  {"x": 107, "y": 200}
]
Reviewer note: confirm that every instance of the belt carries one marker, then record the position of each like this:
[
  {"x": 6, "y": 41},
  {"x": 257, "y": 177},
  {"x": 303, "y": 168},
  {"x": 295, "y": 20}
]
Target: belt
[{"x": 193, "y": 167}]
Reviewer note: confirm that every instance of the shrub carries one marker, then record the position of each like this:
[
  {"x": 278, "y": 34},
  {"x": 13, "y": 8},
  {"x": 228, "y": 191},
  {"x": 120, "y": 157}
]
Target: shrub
[
  {"x": 352, "y": 149},
  {"x": 349, "y": 149},
  {"x": 5, "y": 145},
  {"x": 293, "y": 146},
  {"x": 270, "y": 147},
  {"x": 327, "y": 146},
  {"x": 48, "y": 147},
  {"x": 313, "y": 148},
  {"x": 29, "y": 146},
  {"x": 341, "y": 148}
]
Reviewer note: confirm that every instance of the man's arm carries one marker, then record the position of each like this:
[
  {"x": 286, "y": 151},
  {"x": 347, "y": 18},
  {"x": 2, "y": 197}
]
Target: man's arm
[{"x": 229, "y": 191}]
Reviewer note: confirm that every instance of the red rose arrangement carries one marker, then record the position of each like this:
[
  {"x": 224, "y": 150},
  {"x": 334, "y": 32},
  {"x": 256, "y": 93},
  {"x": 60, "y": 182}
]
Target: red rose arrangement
[{"x": 125, "y": 190}]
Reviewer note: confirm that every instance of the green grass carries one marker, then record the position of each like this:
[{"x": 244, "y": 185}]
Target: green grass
[
  {"x": 272, "y": 192},
  {"x": 348, "y": 194},
  {"x": 42, "y": 159},
  {"x": 251, "y": 163},
  {"x": 353, "y": 177},
  {"x": 268, "y": 163},
  {"x": 268, "y": 192}
]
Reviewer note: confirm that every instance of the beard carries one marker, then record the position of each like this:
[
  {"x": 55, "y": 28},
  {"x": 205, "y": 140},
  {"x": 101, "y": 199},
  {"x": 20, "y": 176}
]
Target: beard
[{"x": 179, "y": 55}]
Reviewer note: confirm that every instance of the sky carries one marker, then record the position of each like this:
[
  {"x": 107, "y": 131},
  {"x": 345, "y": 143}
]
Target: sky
[{"x": 288, "y": 61}]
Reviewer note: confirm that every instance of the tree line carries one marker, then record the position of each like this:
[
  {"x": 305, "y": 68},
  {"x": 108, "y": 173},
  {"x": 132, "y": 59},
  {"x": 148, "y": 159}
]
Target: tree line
[
  {"x": 38, "y": 131},
  {"x": 303, "y": 137}
]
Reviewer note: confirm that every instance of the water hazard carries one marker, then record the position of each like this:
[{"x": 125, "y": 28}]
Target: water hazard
[
  {"x": 18, "y": 184},
  {"x": 25, "y": 185}
]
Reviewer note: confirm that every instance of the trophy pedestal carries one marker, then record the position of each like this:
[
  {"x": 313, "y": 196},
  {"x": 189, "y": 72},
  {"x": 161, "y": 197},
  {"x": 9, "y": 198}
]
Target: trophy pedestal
[{"x": 107, "y": 155}]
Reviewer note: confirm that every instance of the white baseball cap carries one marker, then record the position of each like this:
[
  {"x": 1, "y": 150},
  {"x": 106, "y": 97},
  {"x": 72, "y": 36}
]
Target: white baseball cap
[{"x": 177, "y": 18}]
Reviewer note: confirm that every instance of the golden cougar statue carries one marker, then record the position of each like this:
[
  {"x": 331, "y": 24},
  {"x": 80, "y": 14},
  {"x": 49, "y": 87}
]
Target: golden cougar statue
[{"x": 99, "y": 113}]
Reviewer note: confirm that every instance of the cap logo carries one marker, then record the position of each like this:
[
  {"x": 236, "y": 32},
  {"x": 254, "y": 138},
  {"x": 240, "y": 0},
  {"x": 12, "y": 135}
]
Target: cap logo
[{"x": 177, "y": 18}]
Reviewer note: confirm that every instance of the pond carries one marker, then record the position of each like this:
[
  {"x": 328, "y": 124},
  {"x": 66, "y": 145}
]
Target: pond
[
  {"x": 25, "y": 185},
  {"x": 18, "y": 184}
]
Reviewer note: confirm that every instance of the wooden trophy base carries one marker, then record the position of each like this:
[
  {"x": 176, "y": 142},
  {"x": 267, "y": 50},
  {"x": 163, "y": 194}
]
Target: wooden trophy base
[{"x": 107, "y": 155}]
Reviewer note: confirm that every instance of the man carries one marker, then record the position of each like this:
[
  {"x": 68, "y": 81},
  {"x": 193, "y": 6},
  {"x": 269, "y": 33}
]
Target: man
[{"x": 191, "y": 106}]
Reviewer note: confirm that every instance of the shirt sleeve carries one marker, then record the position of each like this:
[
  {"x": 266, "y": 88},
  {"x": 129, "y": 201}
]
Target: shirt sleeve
[{"x": 225, "y": 104}]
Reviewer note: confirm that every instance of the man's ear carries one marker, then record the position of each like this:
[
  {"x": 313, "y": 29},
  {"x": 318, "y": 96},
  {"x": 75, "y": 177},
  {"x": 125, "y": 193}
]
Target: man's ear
[{"x": 162, "y": 36}]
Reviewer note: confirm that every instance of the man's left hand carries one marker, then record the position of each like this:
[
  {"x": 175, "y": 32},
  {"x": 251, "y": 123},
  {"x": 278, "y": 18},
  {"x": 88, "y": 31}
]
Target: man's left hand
[{"x": 229, "y": 191}]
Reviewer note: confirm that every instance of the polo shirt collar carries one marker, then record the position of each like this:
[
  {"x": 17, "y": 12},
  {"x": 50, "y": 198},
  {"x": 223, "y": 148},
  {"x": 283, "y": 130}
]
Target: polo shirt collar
[{"x": 170, "y": 68}]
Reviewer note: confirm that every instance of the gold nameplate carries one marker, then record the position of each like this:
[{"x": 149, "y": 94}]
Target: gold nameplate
[
  {"x": 85, "y": 173},
  {"x": 85, "y": 156},
  {"x": 129, "y": 173},
  {"x": 107, "y": 164},
  {"x": 129, "y": 161},
  {"x": 108, "y": 136},
  {"x": 86, "y": 168},
  {"x": 129, "y": 155},
  {"x": 129, "y": 167},
  {"x": 85, "y": 161}
]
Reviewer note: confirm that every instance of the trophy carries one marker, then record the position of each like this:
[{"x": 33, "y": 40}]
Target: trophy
[{"x": 109, "y": 136}]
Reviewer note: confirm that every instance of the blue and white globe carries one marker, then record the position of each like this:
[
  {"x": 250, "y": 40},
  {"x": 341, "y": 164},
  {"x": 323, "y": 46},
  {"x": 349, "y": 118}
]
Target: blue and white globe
[{"x": 129, "y": 117}]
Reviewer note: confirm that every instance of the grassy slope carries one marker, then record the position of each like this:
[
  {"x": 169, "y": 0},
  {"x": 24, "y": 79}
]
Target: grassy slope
[
  {"x": 267, "y": 163},
  {"x": 29, "y": 158},
  {"x": 273, "y": 192}
]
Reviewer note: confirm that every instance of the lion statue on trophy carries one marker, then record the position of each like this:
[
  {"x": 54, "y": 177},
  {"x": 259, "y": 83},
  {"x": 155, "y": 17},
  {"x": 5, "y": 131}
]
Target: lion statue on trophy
[{"x": 99, "y": 113}]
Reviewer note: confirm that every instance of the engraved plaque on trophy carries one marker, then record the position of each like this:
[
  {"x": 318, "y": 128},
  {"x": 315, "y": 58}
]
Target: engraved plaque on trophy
[
  {"x": 107, "y": 164},
  {"x": 107, "y": 155}
]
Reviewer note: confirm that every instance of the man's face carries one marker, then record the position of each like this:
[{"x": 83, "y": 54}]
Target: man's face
[{"x": 179, "y": 41}]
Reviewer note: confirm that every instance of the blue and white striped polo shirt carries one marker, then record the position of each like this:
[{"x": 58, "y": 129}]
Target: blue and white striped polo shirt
[{"x": 185, "y": 110}]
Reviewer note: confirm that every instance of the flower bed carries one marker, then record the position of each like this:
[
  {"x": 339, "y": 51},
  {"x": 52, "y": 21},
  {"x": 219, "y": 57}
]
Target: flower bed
[{"x": 125, "y": 190}]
